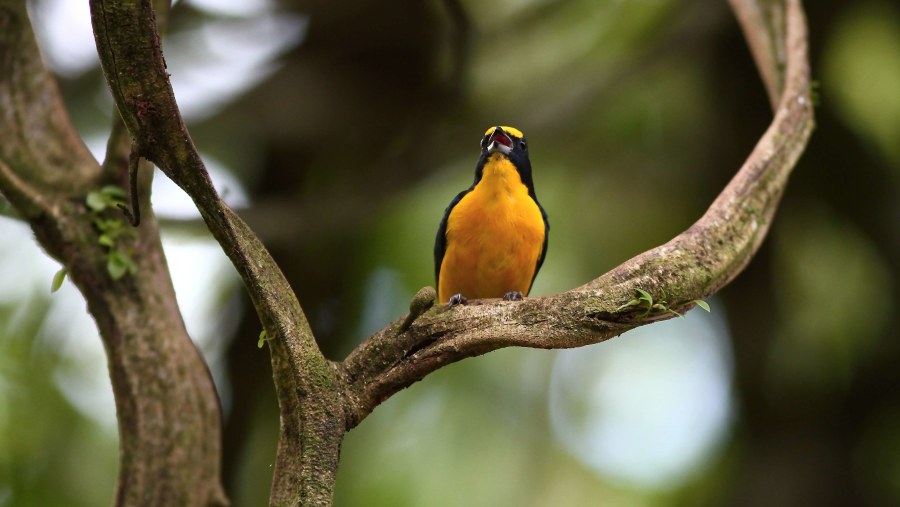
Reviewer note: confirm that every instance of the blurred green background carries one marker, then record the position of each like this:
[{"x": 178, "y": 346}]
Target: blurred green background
[{"x": 342, "y": 130}]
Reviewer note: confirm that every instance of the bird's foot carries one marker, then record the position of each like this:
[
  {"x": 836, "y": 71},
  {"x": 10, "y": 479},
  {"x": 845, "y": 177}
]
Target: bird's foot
[
  {"x": 457, "y": 299},
  {"x": 513, "y": 296}
]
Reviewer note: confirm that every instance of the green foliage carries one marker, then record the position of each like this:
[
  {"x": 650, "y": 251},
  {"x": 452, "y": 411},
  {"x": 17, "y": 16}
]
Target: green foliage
[
  {"x": 615, "y": 124},
  {"x": 119, "y": 263},
  {"x": 113, "y": 231},
  {"x": 262, "y": 339},
  {"x": 702, "y": 304},
  {"x": 109, "y": 196},
  {"x": 645, "y": 299},
  {"x": 58, "y": 279}
]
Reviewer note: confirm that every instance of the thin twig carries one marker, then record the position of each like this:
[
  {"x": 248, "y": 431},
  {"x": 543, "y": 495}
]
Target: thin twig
[{"x": 134, "y": 217}]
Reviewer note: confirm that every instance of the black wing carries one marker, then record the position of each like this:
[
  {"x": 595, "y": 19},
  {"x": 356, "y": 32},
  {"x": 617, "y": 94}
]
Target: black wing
[
  {"x": 440, "y": 242},
  {"x": 540, "y": 260}
]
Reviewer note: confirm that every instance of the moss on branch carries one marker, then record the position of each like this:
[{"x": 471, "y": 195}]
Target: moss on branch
[
  {"x": 692, "y": 266},
  {"x": 320, "y": 400},
  {"x": 167, "y": 407}
]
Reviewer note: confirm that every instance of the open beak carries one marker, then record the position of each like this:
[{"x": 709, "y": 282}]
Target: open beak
[{"x": 499, "y": 141}]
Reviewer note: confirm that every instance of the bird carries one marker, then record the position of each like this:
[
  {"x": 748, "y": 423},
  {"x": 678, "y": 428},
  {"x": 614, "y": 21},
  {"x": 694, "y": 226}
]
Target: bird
[{"x": 492, "y": 239}]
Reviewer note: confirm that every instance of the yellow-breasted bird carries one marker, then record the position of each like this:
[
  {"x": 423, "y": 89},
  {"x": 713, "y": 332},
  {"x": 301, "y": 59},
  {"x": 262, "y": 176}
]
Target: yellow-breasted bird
[{"x": 493, "y": 237}]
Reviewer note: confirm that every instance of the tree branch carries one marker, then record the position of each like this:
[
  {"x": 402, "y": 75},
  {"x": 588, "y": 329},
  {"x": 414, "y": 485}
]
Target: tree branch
[
  {"x": 763, "y": 24},
  {"x": 307, "y": 385},
  {"x": 694, "y": 265},
  {"x": 319, "y": 401},
  {"x": 167, "y": 408}
]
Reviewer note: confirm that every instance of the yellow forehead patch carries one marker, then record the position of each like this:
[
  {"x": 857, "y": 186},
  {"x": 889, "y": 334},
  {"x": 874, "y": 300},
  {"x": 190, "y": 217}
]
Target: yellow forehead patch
[{"x": 509, "y": 130}]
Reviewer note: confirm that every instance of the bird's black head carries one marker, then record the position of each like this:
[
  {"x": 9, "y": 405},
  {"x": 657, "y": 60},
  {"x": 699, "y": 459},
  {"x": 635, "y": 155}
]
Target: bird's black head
[{"x": 508, "y": 142}]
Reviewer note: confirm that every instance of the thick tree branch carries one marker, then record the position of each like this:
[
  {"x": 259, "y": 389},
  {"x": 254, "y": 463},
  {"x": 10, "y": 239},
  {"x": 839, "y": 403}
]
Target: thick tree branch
[
  {"x": 319, "y": 401},
  {"x": 693, "y": 265},
  {"x": 168, "y": 412},
  {"x": 307, "y": 385}
]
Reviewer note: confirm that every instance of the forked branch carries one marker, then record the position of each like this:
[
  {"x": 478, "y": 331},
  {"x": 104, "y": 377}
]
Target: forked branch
[
  {"x": 131, "y": 55},
  {"x": 692, "y": 266},
  {"x": 319, "y": 400},
  {"x": 167, "y": 407}
]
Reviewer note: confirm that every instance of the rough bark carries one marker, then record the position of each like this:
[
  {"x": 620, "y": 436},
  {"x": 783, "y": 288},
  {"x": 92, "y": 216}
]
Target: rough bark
[
  {"x": 308, "y": 386},
  {"x": 168, "y": 411},
  {"x": 164, "y": 397},
  {"x": 693, "y": 265}
]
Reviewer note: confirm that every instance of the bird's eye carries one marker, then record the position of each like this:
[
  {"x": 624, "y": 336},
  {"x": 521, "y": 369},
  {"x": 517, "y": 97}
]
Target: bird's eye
[{"x": 523, "y": 145}]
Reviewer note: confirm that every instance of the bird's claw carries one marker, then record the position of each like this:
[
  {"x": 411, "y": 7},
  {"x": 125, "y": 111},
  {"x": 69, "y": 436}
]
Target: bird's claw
[
  {"x": 513, "y": 296},
  {"x": 457, "y": 299}
]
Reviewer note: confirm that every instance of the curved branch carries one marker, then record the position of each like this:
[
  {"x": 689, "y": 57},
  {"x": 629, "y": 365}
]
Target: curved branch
[
  {"x": 308, "y": 386},
  {"x": 694, "y": 265},
  {"x": 166, "y": 404},
  {"x": 763, "y": 24}
]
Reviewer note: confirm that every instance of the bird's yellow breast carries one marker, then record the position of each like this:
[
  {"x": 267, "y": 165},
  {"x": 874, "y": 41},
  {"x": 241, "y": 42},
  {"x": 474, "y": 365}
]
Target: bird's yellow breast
[{"x": 495, "y": 234}]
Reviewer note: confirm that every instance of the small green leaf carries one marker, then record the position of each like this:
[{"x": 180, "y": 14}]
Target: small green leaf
[
  {"x": 113, "y": 226},
  {"x": 118, "y": 263},
  {"x": 633, "y": 302},
  {"x": 106, "y": 240},
  {"x": 262, "y": 339},
  {"x": 107, "y": 197},
  {"x": 644, "y": 295},
  {"x": 58, "y": 280},
  {"x": 115, "y": 266},
  {"x": 113, "y": 191},
  {"x": 96, "y": 201},
  {"x": 106, "y": 224},
  {"x": 702, "y": 304}
]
